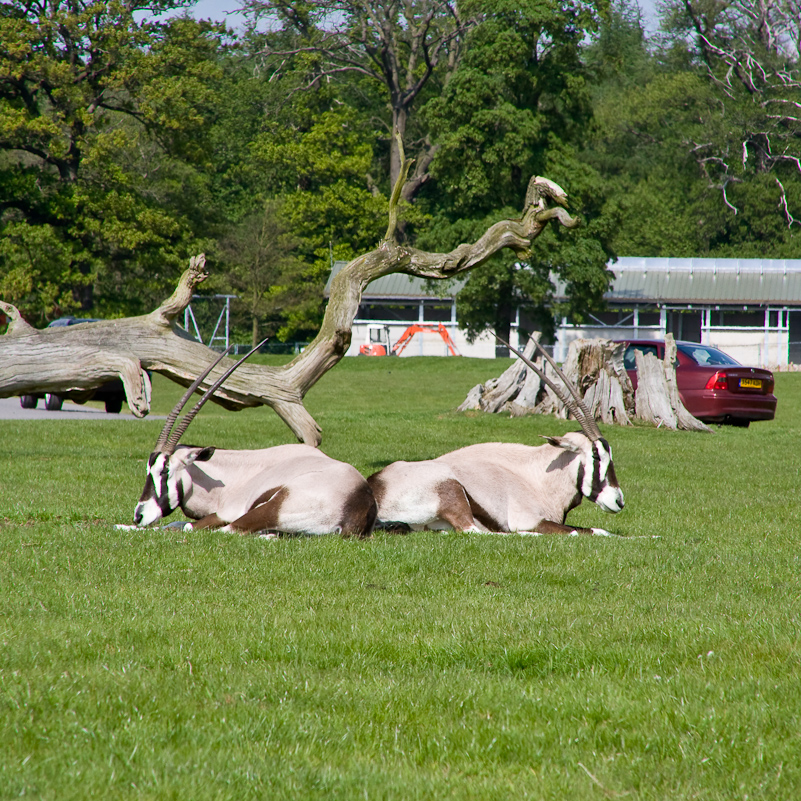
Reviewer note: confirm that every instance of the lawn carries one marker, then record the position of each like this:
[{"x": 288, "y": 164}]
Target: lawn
[{"x": 664, "y": 664}]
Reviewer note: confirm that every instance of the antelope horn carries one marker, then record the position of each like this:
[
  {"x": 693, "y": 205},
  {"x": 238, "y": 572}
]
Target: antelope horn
[
  {"x": 189, "y": 416},
  {"x": 575, "y": 404},
  {"x": 176, "y": 410}
]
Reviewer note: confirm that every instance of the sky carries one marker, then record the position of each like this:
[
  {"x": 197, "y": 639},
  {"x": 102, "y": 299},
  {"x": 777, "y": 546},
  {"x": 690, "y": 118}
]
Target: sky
[{"x": 216, "y": 10}]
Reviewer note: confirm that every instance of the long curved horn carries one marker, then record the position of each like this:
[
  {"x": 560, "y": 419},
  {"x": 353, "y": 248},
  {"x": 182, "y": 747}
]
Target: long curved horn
[
  {"x": 179, "y": 430},
  {"x": 575, "y": 404},
  {"x": 161, "y": 442}
]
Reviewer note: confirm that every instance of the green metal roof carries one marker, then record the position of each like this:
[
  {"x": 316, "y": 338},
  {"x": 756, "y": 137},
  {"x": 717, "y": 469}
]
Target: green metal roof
[
  {"x": 398, "y": 286},
  {"x": 744, "y": 282},
  {"x": 747, "y": 282}
]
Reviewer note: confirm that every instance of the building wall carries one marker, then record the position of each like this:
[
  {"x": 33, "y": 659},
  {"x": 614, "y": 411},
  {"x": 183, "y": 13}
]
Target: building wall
[
  {"x": 751, "y": 347},
  {"x": 425, "y": 343},
  {"x": 745, "y": 337}
]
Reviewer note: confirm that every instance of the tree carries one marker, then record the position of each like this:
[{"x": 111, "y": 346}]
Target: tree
[
  {"x": 679, "y": 135},
  {"x": 748, "y": 50},
  {"x": 101, "y": 132},
  {"x": 259, "y": 264},
  {"x": 708, "y": 142},
  {"x": 519, "y": 103},
  {"x": 85, "y": 356},
  {"x": 400, "y": 47}
]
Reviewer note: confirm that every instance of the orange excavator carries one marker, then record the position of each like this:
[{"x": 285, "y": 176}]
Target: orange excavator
[{"x": 374, "y": 346}]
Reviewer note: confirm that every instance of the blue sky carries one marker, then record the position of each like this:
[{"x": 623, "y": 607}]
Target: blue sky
[{"x": 216, "y": 10}]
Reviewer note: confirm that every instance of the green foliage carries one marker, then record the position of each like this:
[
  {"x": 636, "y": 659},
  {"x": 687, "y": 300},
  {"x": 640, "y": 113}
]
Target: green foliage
[
  {"x": 320, "y": 173},
  {"x": 520, "y": 106},
  {"x": 429, "y": 666},
  {"x": 101, "y": 122},
  {"x": 703, "y": 158},
  {"x": 260, "y": 266},
  {"x": 129, "y": 143}
]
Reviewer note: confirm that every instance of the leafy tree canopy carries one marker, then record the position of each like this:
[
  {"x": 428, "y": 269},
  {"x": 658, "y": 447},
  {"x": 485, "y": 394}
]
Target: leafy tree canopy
[{"x": 101, "y": 146}]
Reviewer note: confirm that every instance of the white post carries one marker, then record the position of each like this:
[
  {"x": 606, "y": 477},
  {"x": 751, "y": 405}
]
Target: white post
[
  {"x": 227, "y": 318},
  {"x": 421, "y": 316}
]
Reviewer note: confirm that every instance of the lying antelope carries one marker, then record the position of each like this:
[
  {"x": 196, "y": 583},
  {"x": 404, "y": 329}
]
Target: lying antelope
[
  {"x": 503, "y": 487},
  {"x": 291, "y": 489}
]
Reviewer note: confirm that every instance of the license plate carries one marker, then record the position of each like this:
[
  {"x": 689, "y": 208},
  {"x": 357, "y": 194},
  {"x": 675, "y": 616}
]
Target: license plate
[{"x": 750, "y": 383}]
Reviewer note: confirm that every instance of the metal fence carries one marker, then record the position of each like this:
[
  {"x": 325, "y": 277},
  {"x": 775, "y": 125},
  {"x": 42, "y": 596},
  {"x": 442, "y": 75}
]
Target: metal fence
[{"x": 288, "y": 348}]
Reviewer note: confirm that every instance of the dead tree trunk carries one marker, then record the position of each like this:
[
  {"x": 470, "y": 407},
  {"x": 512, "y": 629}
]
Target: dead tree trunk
[
  {"x": 657, "y": 398},
  {"x": 85, "y": 356},
  {"x": 596, "y": 367}
]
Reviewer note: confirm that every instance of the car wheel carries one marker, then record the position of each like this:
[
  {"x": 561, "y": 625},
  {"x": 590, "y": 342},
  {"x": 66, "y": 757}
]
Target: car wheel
[
  {"x": 53, "y": 403},
  {"x": 114, "y": 405},
  {"x": 28, "y": 401}
]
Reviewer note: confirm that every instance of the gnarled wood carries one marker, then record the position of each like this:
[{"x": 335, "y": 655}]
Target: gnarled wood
[
  {"x": 82, "y": 357},
  {"x": 657, "y": 398},
  {"x": 595, "y": 367}
]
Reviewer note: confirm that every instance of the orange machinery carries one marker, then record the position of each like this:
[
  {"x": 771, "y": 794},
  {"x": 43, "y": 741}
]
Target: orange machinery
[{"x": 376, "y": 347}]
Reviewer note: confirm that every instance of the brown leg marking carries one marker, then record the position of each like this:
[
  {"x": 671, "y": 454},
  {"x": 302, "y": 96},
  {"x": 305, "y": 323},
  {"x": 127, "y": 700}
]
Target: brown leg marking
[
  {"x": 209, "y": 521},
  {"x": 549, "y": 527},
  {"x": 359, "y": 514},
  {"x": 263, "y": 517},
  {"x": 454, "y": 507}
]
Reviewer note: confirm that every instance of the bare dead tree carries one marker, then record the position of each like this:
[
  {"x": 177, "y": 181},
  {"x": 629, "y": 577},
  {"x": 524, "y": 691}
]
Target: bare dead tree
[
  {"x": 82, "y": 357},
  {"x": 750, "y": 49},
  {"x": 401, "y": 46}
]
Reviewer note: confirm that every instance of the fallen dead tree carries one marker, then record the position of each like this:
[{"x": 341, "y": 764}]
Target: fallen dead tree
[
  {"x": 82, "y": 357},
  {"x": 596, "y": 367}
]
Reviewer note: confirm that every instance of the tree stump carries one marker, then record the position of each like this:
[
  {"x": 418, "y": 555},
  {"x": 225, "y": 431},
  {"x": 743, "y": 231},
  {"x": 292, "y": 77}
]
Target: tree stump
[
  {"x": 595, "y": 367},
  {"x": 657, "y": 398}
]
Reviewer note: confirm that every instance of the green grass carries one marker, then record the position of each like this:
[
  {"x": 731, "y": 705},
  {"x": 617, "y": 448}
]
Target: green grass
[{"x": 153, "y": 664}]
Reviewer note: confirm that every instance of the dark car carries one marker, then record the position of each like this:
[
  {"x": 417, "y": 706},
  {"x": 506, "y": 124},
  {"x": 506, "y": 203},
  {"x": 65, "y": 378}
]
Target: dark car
[
  {"x": 713, "y": 387},
  {"x": 112, "y": 393}
]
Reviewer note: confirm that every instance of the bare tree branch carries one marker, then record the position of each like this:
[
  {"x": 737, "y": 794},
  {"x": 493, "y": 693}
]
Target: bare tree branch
[{"x": 84, "y": 356}]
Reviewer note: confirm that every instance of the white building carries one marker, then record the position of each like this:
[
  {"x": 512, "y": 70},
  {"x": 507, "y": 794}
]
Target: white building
[{"x": 750, "y": 308}]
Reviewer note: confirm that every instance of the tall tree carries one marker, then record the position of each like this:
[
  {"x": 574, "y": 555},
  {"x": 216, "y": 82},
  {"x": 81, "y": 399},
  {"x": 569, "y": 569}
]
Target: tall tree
[
  {"x": 686, "y": 146},
  {"x": 746, "y": 53},
  {"x": 402, "y": 47},
  {"x": 101, "y": 120},
  {"x": 519, "y": 104},
  {"x": 260, "y": 265}
]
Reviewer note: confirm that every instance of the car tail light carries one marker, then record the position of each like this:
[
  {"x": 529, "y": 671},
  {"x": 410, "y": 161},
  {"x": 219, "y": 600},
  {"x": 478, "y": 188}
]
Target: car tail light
[
  {"x": 718, "y": 381},
  {"x": 768, "y": 384}
]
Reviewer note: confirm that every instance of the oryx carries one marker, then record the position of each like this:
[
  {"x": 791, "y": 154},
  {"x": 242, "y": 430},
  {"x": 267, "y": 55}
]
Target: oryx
[
  {"x": 291, "y": 489},
  {"x": 505, "y": 487}
]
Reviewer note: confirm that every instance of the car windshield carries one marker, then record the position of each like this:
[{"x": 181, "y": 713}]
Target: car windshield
[{"x": 707, "y": 357}]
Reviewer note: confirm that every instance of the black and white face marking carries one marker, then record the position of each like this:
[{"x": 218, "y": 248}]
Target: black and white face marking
[
  {"x": 599, "y": 483},
  {"x": 162, "y": 493},
  {"x": 167, "y": 482}
]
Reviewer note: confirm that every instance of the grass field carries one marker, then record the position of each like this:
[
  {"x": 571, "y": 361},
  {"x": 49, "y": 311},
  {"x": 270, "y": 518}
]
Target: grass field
[{"x": 157, "y": 665}]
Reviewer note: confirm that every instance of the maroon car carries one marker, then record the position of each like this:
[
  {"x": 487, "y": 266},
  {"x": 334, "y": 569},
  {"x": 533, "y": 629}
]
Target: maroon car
[{"x": 713, "y": 387}]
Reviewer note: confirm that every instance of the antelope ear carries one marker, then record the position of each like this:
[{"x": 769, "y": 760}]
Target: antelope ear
[
  {"x": 204, "y": 454},
  {"x": 199, "y": 455},
  {"x": 561, "y": 442}
]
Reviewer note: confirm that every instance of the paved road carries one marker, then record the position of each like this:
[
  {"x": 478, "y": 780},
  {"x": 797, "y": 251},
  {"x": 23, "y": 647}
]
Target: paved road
[{"x": 11, "y": 410}]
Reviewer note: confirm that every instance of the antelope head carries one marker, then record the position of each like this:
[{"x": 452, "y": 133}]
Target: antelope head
[
  {"x": 597, "y": 479},
  {"x": 167, "y": 479}
]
